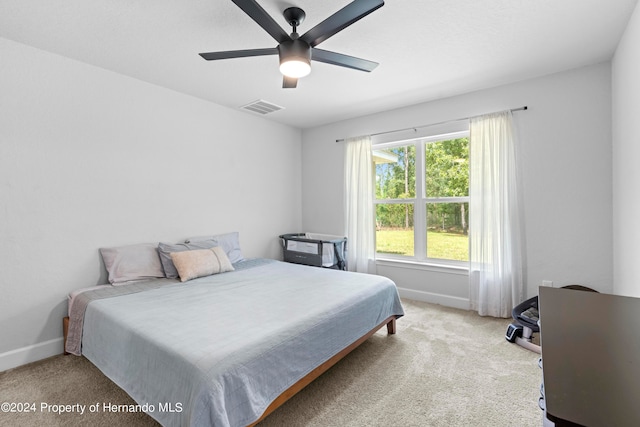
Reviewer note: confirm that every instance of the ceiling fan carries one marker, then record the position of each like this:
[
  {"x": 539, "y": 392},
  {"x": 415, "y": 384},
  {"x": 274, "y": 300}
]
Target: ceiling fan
[{"x": 296, "y": 52}]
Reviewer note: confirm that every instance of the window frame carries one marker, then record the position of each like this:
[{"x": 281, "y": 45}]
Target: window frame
[{"x": 420, "y": 200}]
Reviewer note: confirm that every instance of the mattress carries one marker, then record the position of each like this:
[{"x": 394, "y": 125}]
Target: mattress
[{"x": 222, "y": 348}]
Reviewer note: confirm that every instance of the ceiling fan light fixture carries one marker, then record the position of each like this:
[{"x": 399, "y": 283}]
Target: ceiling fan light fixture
[
  {"x": 295, "y": 68},
  {"x": 295, "y": 58}
]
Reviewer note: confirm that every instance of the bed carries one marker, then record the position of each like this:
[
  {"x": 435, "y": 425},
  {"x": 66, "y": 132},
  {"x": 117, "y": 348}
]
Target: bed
[{"x": 227, "y": 349}]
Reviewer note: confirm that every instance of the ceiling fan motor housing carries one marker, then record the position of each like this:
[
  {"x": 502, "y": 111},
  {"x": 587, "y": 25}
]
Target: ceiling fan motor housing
[
  {"x": 297, "y": 49},
  {"x": 295, "y": 58}
]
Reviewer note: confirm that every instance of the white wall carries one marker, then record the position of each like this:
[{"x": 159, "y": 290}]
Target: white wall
[
  {"x": 565, "y": 152},
  {"x": 626, "y": 157},
  {"x": 90, "y": 158}
]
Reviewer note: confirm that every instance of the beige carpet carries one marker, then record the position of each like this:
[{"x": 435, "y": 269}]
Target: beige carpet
[{"x": 444, "y": 367}]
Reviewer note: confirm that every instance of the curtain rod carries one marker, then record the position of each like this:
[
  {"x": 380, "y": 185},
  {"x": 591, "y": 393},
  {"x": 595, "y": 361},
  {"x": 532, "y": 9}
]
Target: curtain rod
[{"x": 415, "y": 128}]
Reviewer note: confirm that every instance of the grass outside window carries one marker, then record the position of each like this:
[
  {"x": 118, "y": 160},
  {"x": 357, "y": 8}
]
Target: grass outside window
[{"x": 441, "y": 244}]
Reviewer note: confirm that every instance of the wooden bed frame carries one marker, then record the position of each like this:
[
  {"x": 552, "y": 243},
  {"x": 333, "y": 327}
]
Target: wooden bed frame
[{"x": 303, "y": 382}]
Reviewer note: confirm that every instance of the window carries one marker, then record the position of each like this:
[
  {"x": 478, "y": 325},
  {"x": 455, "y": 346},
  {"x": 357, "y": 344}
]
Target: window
[{"x": 422, "y": 198}]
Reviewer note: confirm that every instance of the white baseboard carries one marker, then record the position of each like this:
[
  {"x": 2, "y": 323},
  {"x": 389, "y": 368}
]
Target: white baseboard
[
  {"x": 32, "y": 353},
  {"x": 446, "y": 300}
]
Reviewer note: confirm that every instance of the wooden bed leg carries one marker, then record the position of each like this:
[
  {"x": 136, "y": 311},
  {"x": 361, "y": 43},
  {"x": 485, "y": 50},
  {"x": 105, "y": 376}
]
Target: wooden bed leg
[
  {"x": 391, "y": 326},
  {"x": 65, "y": 331}
]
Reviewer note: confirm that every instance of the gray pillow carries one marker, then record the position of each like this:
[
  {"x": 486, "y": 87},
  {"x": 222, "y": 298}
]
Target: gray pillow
[
  {"x": 230, "y": 242},
  {"x": 165, "y": 249},
  {"x": 132, "y": 262}
]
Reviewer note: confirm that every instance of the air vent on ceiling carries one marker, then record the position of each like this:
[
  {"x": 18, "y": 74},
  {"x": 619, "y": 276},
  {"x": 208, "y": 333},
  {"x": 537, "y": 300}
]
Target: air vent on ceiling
[{"x": 261, "y": 107}]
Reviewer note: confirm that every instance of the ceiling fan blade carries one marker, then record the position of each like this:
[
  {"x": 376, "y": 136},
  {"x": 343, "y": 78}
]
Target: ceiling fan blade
[
  {"x": 342, "y": 60},
  {"x": 262, "y": 18},
  {"x": 210, "y": 56},
  {"x": 289, "y": 82},
  {"x": 340, "y": 20}
]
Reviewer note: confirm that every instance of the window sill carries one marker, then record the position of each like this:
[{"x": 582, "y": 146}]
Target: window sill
[{"x": 425, "y": 266}]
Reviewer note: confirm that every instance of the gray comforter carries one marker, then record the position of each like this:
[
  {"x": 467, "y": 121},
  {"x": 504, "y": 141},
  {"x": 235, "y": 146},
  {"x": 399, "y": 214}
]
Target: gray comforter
[{"x": 216, "y": 351}]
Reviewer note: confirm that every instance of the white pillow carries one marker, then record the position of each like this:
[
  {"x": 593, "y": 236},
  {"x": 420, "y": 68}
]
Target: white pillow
[
  {"x": 200, "y": 263},
  {"x": 132, "y": 262}
]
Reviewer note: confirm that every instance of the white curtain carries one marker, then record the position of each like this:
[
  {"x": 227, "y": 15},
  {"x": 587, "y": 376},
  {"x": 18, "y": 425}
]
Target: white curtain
[
  {"x": 495, "y": 245},
  {"x": 359, "y": 215}
]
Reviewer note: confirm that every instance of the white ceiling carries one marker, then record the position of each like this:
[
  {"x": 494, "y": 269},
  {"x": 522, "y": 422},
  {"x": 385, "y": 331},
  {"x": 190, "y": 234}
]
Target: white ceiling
[{"x": 427, "y": 49}]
